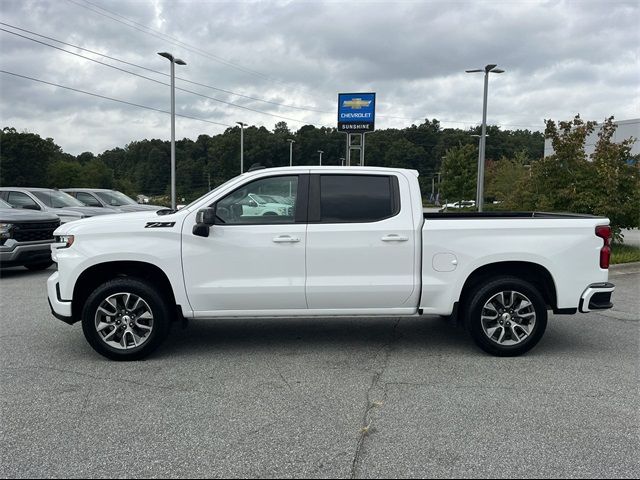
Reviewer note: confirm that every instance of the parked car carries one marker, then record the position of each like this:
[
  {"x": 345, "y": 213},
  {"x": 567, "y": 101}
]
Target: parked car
[
  {"x": 358, "y": 243},
  {"x": 60, "y": 203},
  {"x": 104, "y": 198},
  {"x": 26, "y": 237},
  {"x": 458, "y": 205}
]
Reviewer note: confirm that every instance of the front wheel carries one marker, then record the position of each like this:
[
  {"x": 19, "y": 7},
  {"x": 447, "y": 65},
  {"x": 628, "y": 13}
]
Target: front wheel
[
  {"x": 506, "y": 317},
  {"x": 125, "y": 319}
]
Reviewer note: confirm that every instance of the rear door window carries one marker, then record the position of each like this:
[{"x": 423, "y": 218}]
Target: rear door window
[
  {"x": 88, "y": 199},
  {"x": 357, "y": 198}
]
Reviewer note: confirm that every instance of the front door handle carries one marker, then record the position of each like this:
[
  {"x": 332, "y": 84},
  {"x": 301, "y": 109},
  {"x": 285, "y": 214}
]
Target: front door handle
[
  {"x": 286, "y": 239},
  {"x": 394, "y": 238}
]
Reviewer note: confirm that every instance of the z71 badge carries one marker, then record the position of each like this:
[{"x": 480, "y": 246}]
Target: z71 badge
[{"x": 159, "y": 224}]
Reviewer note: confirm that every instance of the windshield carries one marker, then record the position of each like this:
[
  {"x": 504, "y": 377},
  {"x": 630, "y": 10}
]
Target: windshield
[
  {"x": 57, "y": 199},
  {"x": 4, "y": 204},
  {"x": 115, "y": 198}
]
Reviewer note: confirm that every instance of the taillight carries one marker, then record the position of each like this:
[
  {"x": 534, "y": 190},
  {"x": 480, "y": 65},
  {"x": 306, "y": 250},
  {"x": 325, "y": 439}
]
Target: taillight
[{"x": 604, "y": 232}]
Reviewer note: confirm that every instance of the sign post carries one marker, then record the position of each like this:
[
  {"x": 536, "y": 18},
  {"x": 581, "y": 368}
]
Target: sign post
[{"x": 356, "y": 117}]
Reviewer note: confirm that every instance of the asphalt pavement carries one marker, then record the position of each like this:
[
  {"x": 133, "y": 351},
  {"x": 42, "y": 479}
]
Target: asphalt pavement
[{"x": 319, "y": 398}]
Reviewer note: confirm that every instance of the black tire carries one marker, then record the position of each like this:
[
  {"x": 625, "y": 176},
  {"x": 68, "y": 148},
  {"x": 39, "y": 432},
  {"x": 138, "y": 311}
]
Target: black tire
[
  {"x": 39, "y": 266},
  {"x": 482, "y": 294},
  {"x": 159, "y": 309}
]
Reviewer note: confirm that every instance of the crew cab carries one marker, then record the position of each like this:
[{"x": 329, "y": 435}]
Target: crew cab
[{"x": 354, "y": 242}]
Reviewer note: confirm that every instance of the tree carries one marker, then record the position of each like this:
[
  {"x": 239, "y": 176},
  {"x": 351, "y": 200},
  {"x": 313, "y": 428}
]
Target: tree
[
  {"x": 459, "y": 173},
  {"x": 604, "y": 184},
  {"x": 502, "y": 176},
  {"x": 25, "y": 158}
]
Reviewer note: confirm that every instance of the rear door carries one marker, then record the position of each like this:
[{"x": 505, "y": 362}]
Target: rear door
[{"x": 360, "y": 242}]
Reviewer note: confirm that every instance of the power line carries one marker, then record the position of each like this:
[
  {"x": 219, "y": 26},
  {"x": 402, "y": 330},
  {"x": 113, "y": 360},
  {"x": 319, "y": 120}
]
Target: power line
[
  {"x": 177, "y": 42},
  {"x": 169, "y": 39},
  {"x": 208, "y": 86},
  {"x": 166, "y": 74},
  {"x": 156, "y": 81},
  {"x": 112, "y": 99}
]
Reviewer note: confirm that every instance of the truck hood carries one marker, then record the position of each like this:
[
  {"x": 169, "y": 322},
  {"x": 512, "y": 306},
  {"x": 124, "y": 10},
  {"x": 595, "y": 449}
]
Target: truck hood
[
  {"x": 9, "y": 215},
  {"x": 133, "y": 222}
]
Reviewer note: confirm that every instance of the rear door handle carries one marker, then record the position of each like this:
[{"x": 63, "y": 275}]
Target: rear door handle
[
  {"x": 286, "y": 239},
  {"x": 394, "y": 238}
]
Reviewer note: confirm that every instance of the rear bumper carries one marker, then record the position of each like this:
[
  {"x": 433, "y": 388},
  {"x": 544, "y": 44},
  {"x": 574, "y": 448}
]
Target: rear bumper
[
  {"x": 25, "y": 253},
  {"x": 597, "y": 296},
  {"x": 59, "y": 308}
]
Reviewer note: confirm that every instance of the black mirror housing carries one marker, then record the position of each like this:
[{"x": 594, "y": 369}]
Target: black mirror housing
[
  {"x": 201, "y": 230},
  {"x": 206, "y": 216}
]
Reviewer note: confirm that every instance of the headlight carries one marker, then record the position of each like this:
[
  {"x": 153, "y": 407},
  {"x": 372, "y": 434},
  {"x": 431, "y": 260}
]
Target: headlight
[
  {"x": 64, "y": 241},
  {"x": 5, "y": 230}
]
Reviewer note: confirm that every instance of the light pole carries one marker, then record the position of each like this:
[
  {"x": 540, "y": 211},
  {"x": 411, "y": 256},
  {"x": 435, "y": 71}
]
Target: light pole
[
  {"x": 491, "y": 68},
  {"x": 342, "y": 161},
  {"x": 320, "y": 152},
  {"x": 291, "y": 142},
  {"x": 242, "y": 125},
  {"x": 173, "y": 61}
]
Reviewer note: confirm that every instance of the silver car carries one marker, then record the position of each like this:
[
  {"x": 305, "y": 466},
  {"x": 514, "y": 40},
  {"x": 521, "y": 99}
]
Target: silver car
[
  {"x": 104, "y": 198},
  {"x": 60, "y": 203}
]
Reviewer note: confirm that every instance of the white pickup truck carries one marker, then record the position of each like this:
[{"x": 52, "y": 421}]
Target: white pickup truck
[{"x": 354, "y": 242}]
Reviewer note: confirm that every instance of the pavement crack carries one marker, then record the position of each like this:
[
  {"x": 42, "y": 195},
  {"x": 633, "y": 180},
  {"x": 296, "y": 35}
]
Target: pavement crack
[
  {"x": 375, "y": 397},
  {"x": 93, "y": 377}
]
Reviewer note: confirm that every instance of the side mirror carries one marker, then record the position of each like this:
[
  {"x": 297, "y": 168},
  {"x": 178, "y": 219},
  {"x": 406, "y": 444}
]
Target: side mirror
[
  {"x": 201, "y": 230},
  {"x": 253, "y": 203},
  {"x": 206, "y": 216},
  {"x": 204, "y": 219}
]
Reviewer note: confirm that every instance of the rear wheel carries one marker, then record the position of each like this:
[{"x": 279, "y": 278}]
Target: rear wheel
[
  {"x": 125, "y": 319},
  {"x": 506, "y": 316}
]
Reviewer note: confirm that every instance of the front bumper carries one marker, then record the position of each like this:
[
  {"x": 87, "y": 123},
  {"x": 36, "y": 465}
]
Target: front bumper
[
  {"x": 597, "y": 296},
  {"x": 27, "y": 253},
  {"x": 59, "y": 308}
]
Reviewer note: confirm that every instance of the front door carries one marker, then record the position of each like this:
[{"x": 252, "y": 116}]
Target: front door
[{"x": 253, "y": 262}]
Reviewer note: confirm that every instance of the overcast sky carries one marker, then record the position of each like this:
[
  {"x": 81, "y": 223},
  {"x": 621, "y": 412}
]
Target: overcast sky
[{"x": 560, "y": 57}]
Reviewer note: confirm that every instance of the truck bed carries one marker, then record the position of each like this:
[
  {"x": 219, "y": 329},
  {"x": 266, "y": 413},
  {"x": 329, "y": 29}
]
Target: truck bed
[{"x": 504, "y": 215}]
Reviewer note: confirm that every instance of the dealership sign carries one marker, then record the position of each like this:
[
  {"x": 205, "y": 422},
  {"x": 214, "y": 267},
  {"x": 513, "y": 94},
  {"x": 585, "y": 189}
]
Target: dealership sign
[{"x": 356, "y": 112}]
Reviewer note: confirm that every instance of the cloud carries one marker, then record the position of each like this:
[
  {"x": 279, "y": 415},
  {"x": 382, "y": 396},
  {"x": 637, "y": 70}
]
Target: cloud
[{"x": 560, "y": 58}]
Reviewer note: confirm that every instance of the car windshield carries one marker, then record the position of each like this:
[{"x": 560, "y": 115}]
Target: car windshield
[
  {"x": 115, "y": 198},
  {"x": 57, "y": 199},
  {"x": 4, "y": 204}
]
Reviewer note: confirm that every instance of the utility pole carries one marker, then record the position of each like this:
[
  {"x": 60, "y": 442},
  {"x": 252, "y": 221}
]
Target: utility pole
[
  {"x": 291, "y": 142},
  {"x": 242, "y": 125},
  {"x": 491, "y": 68},
  {"x": 173, "y": 61},
  {"x": 320, "y": 152}
]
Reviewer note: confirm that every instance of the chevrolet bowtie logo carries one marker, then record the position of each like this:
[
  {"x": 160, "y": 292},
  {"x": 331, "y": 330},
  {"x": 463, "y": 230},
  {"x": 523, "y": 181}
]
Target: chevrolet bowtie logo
[{"x": 356, "y": 103}]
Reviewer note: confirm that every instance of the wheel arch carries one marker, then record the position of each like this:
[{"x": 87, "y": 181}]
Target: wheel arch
[
  {"x": 533, "y": 273},
  {"x": 99, "y": 273}
]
